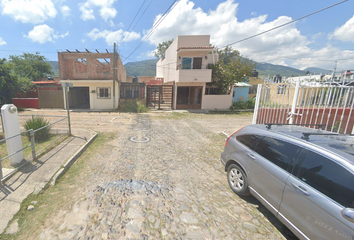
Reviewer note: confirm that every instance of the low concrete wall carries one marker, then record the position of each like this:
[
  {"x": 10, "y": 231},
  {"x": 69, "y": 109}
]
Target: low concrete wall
[{"x": 216, "y": 101}]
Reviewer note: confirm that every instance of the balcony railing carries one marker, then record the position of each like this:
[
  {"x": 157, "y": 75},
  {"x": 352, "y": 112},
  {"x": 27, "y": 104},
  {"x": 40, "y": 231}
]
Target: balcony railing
[{"x": 209, "y": 66}]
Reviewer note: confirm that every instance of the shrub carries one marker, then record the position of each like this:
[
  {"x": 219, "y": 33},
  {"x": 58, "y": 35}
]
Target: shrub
[
  {"x": 141, "y": 108},
  {"x": 243, "y": 105},
  {"x": 35, "y": 123},
  {"x": 133, "y": 106}
]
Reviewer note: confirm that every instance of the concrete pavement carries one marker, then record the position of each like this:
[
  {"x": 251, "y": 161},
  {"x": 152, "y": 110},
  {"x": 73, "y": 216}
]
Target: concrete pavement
[{"x": 36, "y": 175}]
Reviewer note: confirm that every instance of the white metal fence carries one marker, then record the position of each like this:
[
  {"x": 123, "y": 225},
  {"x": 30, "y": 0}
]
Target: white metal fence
[
  {"x": 33, "y": 143},
  {"x": 289, "y": 103}
]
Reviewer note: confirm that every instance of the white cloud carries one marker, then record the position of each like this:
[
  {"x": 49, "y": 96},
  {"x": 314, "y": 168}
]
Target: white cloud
[
  {"x": 106, "y": 9},
  {"x": 345, "y": 32},
  {"x": 2, "y": 42},
  {"x": 345, "y": 59},
  {"x": 55, "y": 36},
  {"x": 44, "y": 33},
  {"x": 65, "y": 10},
  {"x": 29, "y": 11},
  {"x": 113, "y": 36},
  {"x": 148, "y": 54},
  {"x": 280, "y": 46}
]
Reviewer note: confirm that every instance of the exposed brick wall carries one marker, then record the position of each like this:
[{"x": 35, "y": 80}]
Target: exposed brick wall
[{"x": 89, "y": 66}]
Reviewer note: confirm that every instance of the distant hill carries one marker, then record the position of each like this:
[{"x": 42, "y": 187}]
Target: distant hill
[
  {"x": 141, "y": 68},
  {"x": 148, "y": 68},
  {"x": 265, "y": 69},
  {"x": 55, "y": 68},
  {"x": 314, "y": 70}
]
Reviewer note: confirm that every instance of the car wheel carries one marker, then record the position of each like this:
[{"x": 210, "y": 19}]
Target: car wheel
[{"x": 237, "y": 180}]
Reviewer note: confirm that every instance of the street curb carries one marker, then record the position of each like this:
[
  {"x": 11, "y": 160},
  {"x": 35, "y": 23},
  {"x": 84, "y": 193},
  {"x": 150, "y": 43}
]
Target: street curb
[{"x": 72, "y": 160}]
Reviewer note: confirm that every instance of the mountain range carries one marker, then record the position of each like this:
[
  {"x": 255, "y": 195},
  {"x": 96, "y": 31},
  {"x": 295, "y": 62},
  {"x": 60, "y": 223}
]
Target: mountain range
[{"x": 148, "y": 68}]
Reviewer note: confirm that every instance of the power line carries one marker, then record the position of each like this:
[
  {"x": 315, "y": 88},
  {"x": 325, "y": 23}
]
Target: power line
[
  {"x": 169, "y": 9},
  {"x": 137, "y": 21},
  {"x": 282, "y": 25},
  {"x": 136, "y": 15}
]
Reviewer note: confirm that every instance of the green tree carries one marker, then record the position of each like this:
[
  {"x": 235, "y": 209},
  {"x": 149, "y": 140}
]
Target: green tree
[
  {"x": 29, "y": 67},
  {"x": 8, "y": 83},
  {"x": 230, "y": 69},
  {"x": 161, "y": 49}
]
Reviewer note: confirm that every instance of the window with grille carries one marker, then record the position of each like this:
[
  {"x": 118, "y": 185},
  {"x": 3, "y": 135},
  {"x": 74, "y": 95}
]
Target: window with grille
[
  {"x": 103, "y": 92},
  {"x": 129, "y": 91}
]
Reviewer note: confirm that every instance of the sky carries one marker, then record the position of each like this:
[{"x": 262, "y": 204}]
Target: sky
[{"x": 324, "y": 40}]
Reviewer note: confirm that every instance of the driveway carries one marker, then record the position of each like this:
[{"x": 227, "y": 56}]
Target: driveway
[{"x": 160, "y": 177}]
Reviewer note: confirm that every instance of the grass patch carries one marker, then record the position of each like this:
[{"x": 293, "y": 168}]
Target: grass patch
[
  {"x": 133, "y": 105},
  {"x": 27, "y": 153},
  {"x": 52, "y": 199}
]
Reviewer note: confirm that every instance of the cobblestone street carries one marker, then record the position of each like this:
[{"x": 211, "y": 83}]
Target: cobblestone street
[{"x": 160, "y": 178}]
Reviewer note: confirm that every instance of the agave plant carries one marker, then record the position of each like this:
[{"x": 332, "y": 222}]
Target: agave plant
[{"x": 37, "y": 122}]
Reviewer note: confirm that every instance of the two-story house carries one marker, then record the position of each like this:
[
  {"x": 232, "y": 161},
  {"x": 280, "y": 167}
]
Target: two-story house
[
  {"x": 95, "y": 77},
  {"x": 187, "y": 65}
]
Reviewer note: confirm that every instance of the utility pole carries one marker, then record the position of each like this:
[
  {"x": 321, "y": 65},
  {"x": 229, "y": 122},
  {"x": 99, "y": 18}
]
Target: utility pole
[{"x": 114, "y": 76}]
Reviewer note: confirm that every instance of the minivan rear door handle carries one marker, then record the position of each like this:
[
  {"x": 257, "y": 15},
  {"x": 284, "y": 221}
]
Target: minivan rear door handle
[
  {"x": 300, "y": 189},
  {"x": 251, "y": 156},
  {"x": 348, "y": 213}
]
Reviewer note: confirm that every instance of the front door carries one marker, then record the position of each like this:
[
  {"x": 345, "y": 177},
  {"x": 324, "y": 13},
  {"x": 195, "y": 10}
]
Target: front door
[{"x": 189, "y": 97}]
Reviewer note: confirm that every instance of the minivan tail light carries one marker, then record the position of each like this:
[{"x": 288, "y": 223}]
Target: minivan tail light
[{"x": 231, "y": 136}]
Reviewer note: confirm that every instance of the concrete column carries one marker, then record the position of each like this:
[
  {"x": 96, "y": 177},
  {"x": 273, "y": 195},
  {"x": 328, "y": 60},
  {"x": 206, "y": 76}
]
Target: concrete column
[{"x": 11, "y": 128}]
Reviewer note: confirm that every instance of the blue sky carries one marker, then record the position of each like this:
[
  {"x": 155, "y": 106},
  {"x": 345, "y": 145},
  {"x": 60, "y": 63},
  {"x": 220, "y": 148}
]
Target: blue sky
[{"x": 51, "y": 26}]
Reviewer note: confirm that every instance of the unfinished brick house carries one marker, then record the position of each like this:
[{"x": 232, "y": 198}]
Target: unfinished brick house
[{"x": 95, "y": 77}]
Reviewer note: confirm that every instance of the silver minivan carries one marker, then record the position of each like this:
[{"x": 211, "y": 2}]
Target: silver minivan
[{"x": 304, "y": 176}]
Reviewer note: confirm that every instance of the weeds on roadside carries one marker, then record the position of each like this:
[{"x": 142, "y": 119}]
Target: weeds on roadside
[
  {"x": 243, "y": 105},
  {"x": 133, "y": 106},
  {"x": 37, "y": 122}
]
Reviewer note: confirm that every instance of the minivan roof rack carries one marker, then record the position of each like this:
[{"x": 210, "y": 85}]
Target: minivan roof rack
[
  {"x": 306, "y": 135},
  {"x": 269, "y": 125}
]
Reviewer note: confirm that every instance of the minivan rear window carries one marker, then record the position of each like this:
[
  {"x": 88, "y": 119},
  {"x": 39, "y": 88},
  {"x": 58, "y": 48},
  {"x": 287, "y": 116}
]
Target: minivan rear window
[
  {"x": 278, "y": 152},
  {"x": 247, "y": 140}
]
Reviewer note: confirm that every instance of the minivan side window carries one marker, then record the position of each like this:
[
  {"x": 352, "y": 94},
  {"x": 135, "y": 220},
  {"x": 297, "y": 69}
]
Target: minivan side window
[
  {"x": 247, "y": 140},
  {"x": 328, "y": 177},
  {"x": 278, "y": 152}
]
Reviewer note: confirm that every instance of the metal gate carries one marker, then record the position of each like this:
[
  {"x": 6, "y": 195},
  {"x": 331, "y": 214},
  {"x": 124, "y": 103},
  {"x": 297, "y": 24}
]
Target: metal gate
[
  {"x": 288, "y": 103},
  {"x": 159, "y": 96}
]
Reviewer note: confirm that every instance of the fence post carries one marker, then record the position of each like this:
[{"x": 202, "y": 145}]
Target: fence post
[
  {"x": 33, "y": 144},
  {"x": 293, "y": 107},
  {"x": 256, "y": 105},
  {"x": 1, "y": 176},
  {"x": 160, "y": 91}
]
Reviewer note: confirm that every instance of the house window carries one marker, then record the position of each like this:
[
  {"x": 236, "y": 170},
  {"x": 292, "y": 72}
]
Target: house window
[
  {"x": 186, "y": 63},
  {"x": 129, "y": 91},
  {"x": 103, "y": 92},
  {"x": 192, "y": 63}
]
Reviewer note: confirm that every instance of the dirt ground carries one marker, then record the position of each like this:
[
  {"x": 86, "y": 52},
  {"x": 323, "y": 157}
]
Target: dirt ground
[{"x": 157, "y": 177}]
